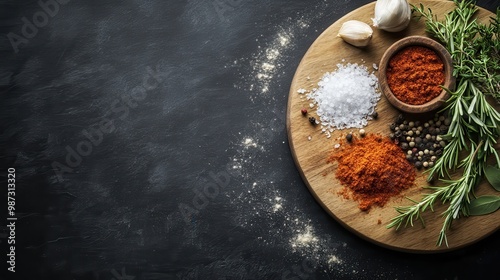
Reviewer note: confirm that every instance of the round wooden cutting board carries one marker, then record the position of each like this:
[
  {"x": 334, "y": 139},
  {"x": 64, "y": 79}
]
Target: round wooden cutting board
[{"x": 310, "y": 147}]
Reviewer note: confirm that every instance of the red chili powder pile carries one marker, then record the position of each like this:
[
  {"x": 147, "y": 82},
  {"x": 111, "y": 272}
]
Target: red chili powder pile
[
  {"x": 372, "y": 169},
  {"x": 415, "y": 74}
]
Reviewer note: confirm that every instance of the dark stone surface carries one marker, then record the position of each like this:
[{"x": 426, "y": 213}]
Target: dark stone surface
[{"x": 149, "y": 142}]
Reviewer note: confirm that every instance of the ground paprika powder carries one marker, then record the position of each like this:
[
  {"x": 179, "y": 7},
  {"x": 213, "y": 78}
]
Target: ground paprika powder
[
  {"x": 372, "y": 169},
  {"x": 414, "y": 75}
]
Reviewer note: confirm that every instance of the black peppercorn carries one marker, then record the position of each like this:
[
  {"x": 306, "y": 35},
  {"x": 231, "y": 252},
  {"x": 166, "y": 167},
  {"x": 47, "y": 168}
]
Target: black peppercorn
[
  {"x": 312, "y": 120},
  {"x": 400, "y": 119},
  {"x": 393, "y": 127},
  {"x": 375, "y": 115},
  {"x": 348, "y": 137},
  {"x": 418, "y": 164}
]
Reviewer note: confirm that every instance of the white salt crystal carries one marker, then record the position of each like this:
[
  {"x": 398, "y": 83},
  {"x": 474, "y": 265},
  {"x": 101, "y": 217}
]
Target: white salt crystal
[
  {"x": 347, "y": 97},
  {"x": 334, "y": 260}
]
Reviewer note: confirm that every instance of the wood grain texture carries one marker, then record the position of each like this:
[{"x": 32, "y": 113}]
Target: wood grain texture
[{"x": 310, "y": 147}]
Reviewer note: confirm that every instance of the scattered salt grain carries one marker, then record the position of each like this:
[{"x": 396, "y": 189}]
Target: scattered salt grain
[
  {"x": 334, "y": 260},
  {"x": 301, "y": 91},
  {"x": 277, "y": 206},
  {"x": 347, "y": 97},
  {"x": 249, "y": 143}
]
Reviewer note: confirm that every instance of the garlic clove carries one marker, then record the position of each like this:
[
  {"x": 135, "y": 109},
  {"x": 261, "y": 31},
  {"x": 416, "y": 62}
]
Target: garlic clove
[
  {"x": 392, "y": 15},
  {"x": 356, "y": 33}
]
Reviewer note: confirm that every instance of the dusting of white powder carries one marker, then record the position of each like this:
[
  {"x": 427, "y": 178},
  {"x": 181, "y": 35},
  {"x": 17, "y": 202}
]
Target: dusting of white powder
[
  {"x": 304, "y": 238},
  {"x": 267, "y": 63},
  {"x": 346, "y": 98}
]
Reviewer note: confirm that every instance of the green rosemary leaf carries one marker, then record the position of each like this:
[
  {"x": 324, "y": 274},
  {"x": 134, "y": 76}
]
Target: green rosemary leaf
[
  {"x": 472, "y": 104},
  {"x": 477, "y": 120}
]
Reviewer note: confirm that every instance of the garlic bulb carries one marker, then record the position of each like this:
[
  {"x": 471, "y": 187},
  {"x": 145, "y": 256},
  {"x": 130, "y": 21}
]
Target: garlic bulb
[
  {"x": 392, "y": 15},
  {"x": 356, "y": 33}
]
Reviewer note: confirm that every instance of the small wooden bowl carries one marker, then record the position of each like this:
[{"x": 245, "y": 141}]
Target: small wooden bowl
[{"x": 449, "y": 81}]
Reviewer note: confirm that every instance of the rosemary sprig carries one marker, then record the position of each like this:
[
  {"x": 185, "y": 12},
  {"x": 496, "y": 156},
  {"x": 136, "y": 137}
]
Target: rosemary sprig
[{"x": 475, "y": 124}]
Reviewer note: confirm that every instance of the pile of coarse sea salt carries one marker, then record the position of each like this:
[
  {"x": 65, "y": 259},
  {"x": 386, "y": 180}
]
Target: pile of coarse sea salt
[{"x": 345, "y": 98}]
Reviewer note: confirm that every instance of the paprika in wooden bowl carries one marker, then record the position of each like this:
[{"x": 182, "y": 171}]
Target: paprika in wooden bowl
[{"x": 414, "y": 73}]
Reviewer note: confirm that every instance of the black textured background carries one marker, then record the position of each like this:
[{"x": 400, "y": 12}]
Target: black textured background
[{"x": 210, "y": 119}]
